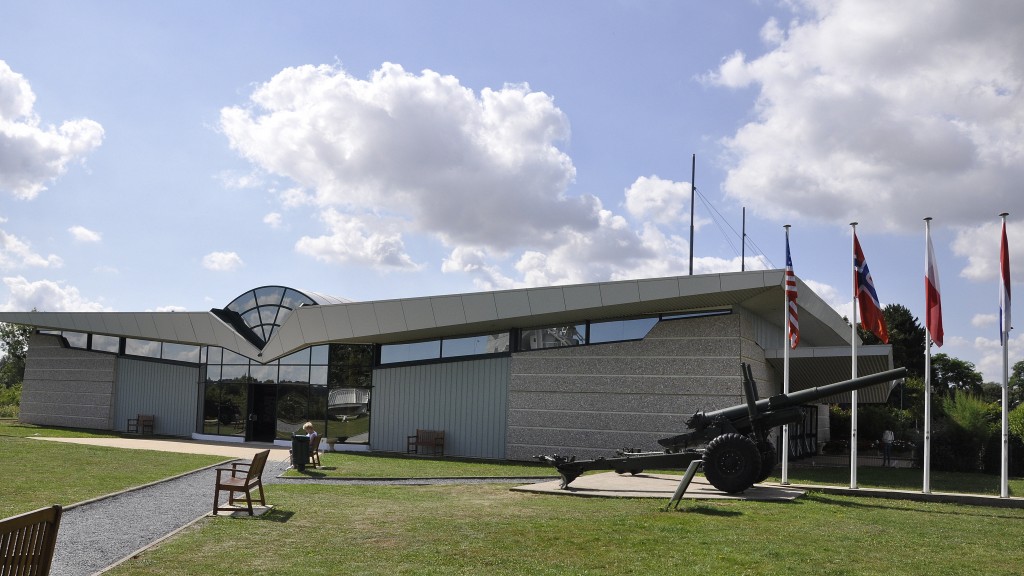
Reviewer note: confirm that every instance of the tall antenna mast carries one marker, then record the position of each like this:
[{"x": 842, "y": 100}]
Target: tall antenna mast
[{"x": 693, "y": 192}]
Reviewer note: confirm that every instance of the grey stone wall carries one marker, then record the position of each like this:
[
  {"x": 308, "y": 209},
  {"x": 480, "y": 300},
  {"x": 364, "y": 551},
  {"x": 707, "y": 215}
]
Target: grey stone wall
[
  {"x": 66, "y": 386},
  {"x": 592, "y": 400}
]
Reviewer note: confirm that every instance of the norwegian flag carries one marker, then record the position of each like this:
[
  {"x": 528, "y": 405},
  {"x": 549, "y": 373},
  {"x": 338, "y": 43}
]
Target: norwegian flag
[
  {"x": 870, "y": 311},
  {"x": 794, "y": 325}
]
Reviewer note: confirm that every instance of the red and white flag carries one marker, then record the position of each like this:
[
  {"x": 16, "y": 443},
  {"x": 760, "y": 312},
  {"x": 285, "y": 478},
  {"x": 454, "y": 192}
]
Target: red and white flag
[
  {"x": 1004, "y": 290},
  {"x": 932, "y": 297}
]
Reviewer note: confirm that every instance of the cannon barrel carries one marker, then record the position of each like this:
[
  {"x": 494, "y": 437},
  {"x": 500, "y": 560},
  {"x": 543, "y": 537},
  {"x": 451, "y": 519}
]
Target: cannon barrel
[{"x": 800, "y": 397}]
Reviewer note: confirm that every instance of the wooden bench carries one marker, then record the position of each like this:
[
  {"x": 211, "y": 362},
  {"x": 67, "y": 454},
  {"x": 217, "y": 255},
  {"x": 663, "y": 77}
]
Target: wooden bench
[
  {"x": 433, "y": 439},
  {"x": 27, "y": 542},
  {"x": 141, "y": 424},
  {"x": 243, "y": 478}
]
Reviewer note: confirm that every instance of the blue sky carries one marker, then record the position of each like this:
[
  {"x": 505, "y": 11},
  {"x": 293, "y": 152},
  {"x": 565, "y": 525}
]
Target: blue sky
[{"x": 169, "y": 156}]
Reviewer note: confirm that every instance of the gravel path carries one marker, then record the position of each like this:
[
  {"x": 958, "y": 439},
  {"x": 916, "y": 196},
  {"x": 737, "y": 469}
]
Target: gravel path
[{"x": 98, "y": 534}]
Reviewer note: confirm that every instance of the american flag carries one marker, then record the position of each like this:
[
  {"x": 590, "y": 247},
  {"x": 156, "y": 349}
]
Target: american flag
[{"x": 794, "y": 325}]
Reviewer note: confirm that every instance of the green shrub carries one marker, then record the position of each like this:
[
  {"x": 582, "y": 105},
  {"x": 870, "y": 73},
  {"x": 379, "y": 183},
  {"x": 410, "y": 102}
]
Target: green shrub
[{"x": 959, "y": 439}]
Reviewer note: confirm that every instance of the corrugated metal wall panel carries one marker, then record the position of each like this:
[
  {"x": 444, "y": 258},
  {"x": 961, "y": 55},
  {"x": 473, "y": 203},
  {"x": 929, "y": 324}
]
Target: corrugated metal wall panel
[
  {"x": 170, "y": 391},
  {"x": 465, "y": 399}
]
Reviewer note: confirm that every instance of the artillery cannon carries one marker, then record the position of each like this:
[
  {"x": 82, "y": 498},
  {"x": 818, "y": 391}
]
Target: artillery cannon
[{"x": 737, "y": 451}]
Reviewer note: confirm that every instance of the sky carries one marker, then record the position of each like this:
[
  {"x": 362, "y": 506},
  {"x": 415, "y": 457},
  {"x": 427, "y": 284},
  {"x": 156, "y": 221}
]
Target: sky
[{"x": 170, "y": 156}]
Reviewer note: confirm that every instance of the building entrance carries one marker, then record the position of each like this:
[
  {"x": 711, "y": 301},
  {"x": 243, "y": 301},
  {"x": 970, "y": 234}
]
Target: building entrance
[{"x": 262, "y": 413}]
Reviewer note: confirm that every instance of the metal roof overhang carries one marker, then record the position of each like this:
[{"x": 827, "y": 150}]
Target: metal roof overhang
[
  {"x": 810, "y": 367},
  {"x": 404, "y": 320}
]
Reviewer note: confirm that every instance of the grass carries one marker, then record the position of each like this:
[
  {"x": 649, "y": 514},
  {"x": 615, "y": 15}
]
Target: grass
[
  {"x": 38, "y": 473},
  {"x": 487, "y": 529},
  {"x": 910, "y": 479}
]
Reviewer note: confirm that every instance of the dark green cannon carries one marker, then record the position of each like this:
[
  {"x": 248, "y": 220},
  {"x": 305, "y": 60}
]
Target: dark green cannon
[{"x": 737, "y": 452}]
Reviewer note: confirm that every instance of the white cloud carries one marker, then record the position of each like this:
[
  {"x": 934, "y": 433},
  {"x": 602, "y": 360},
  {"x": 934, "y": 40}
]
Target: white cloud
[
  {"x": 222, "y": 261},
  {"x": 661, "y": 201},
  {"x": 352, "y": 241},
  {"x": 980, "y": 245},
  {"x": 83, "y": 234},
  {"x": 469, "y": 168},
  {"x": 16, "y": 253},
  {"x": 874, "y": 111},
  {"x": 991, "y": 352},
  {"x": 171, "y": 308},
  {"x": 273, "y": 220},
  {"x": 33, "y": 155},
  {"x": 983, "y": 320},
  {"x": 46, "y": 296}
]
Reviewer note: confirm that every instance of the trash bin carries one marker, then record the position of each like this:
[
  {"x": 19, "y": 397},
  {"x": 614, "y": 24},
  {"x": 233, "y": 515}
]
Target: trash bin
[{"x": 300, "y": 451}]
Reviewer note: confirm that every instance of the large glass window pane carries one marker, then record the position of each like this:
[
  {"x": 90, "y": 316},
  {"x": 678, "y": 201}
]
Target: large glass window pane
[
  {"x": 348, "y": 399},
  {"x": 235, "y": 372},
  {"x": 619, "y": 330},
  {"x": 292, "y": 409},
  {"x": 102, "y": 343},
  {"x": 318, "y": 355},
  {"x": 294, "y": 374},
  {"x": 474, "y": 345},
  {"x": 293, "y": 299},
  {"x": 263, "y": 374},
  {"x": 77, "y": 339},
  {"x": 300, "y": 357},
  {"x": 269, "y": 295},
  {"x": 147, "y": 348},
  {"x": 232, "y": 408},
  {"x": 214, "y": 355},
  {"x": 392, "y": 353},
  {"x": 234, "y": 358},
  {"x": 553, "y": 337},
  {"x": 318, "y": 375},
  {"x": 181, "y": 353},
  {"x": 243, "y": 302}
]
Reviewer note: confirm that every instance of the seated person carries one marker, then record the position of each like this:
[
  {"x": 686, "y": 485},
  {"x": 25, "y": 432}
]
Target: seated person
[{"x": 314, "y": 443}]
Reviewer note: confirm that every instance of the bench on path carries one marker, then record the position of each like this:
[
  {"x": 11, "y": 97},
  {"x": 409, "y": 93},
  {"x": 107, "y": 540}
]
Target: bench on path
[
  {"x": 141, "y": 424},
  {"x": 27, "y": 542},
  {"x": 433, "y": 439},
  {"x": 239, "y": 482}
]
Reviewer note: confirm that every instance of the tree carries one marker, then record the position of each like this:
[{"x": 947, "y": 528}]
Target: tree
[
  {"x": 954, "y": 374},
  {"x": 14, "y": 342},
  {"x": 1016, "y": 384},
  {"x": 906, "y": 336}
]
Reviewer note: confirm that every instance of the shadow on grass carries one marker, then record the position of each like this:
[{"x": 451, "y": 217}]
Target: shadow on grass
[
  {"x": 276, "y": 515},
  {"x": 879, "y": 504}
]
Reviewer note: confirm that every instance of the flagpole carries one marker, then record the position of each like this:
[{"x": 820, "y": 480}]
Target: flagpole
[
  {"x": 853, "y": 355},
  {"x": 927, "y": 484},
  {"x": 785, "y": 371},
  {"x": 1004, "y": 337}
]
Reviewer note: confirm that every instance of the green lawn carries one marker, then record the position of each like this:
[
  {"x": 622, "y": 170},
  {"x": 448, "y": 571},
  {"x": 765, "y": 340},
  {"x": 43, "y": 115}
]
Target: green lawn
[
  {"x": 367, "y": 465},
  {"x": 488, "y": 529},
  {"x": 39, "y": 473}
]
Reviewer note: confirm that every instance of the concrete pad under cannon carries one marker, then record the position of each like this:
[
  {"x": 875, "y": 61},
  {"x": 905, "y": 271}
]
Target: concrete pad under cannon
[{"x": 612, "y": 485}]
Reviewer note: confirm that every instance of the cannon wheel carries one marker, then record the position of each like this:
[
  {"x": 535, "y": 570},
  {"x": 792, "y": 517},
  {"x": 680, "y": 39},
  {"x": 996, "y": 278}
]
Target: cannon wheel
[
  {"x": 768, "y": 460},
  {"x": 732, "y": 462}
]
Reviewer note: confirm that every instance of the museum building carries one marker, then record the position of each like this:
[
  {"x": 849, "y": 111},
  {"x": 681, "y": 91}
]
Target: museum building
[{"x": 580, "y": 369}]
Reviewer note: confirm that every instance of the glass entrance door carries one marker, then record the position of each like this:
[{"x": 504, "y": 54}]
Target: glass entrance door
[{"x": 262, "y": 413}]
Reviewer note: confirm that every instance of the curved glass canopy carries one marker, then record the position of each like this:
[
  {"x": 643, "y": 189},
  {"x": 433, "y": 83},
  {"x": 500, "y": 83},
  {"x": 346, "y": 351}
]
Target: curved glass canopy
[{"x": 263, "y": 310}]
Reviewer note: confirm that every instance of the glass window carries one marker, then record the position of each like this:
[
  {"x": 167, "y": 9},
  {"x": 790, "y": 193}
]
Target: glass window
[
  {"x": 181, "y": 353},
  {"x": 391, "y": 353},
  {"x": 318, "y": 375},
  {"x": 234, "y": 372},
  {"x": 295, "y": 374},
  {"x": 300, "y": 357},
  {"x": 146, "y": 348},
  {"x": 293, "y": 299},
  {"x": 619, "y": 330},
  {"x": 223, "y": 409},
  {"x": 319, "y": 355},
  {"x": 103, "y": 343},
  {"x": 213, "y": 372},
  {"x": 77, "y": 339},
  {"x": 263, "y": 374},
  {"x": 292, "y": 409},
  {"x": 215, "y": 354},
  {"x": 351, "y": 365},
  {"x": 234, "y": 358},
  {"x": 270, "y": 295},
  {"x": 553, "y": 337},
  {"x": 243, "y": 302},
  {"x": 473, "y": 345}
]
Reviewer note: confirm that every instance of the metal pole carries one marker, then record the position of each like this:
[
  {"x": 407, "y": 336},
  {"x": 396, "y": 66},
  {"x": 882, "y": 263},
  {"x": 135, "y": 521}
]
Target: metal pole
[
  {"x": 1004, "y": 488},
  {"x": 853, "y": 369},
  {"x": 693, "y": 193},
  {"x": 927, "y": 484},
  {"x": 743, "y": 243},
  {"x": 785, "y": 375}
]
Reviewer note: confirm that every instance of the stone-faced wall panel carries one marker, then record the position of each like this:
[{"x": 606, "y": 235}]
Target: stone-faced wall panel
[{"x": 67, "y": 386}]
